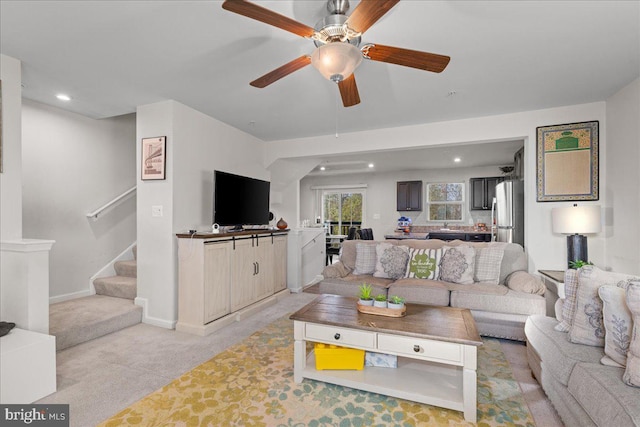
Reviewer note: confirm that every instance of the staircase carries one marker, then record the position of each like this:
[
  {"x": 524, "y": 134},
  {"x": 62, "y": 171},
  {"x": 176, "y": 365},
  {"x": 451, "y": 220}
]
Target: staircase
[{"x": 111, "y": 309}]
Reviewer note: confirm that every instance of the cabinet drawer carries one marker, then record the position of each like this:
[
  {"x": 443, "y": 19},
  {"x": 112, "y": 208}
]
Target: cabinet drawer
[
  {"x": 340, "y": 336},
  {"x": 412, "y": 347}
]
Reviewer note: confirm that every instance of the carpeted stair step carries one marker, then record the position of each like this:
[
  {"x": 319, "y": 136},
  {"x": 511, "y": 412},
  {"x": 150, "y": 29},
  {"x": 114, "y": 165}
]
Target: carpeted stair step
[
  {"x": 116, "y": 286},
  {"x": 83, "y": 319},
  {"x": 126, "y": 268}
]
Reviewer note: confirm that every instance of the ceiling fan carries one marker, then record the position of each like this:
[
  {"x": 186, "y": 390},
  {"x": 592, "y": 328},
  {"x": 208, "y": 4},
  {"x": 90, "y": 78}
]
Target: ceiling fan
[{"x": 337, "y": 38}]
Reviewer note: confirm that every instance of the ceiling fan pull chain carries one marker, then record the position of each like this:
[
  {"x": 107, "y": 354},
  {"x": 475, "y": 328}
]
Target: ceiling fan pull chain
[{"x": 337, "y": 108}]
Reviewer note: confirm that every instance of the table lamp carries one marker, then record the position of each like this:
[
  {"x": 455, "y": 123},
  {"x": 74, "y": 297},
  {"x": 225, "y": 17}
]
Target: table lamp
[{"x": 574, "y": 221}]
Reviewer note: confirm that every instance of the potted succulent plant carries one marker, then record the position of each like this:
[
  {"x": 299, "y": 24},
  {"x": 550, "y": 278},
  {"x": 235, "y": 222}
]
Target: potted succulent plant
[
  {"x": 380, "y": 301},
  {"x": 365, "y": 294},
  {"x": 396, "y": 302}
]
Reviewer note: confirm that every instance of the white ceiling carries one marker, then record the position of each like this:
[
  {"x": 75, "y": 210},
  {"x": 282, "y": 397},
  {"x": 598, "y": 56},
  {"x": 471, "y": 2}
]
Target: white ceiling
[
  {"x": 470, "y": 155},
  {"x": 111, "y": 56}
]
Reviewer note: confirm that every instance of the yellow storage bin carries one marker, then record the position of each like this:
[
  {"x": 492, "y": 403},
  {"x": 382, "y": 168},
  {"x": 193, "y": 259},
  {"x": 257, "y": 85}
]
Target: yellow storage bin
[{"x": 329, "y": 356}]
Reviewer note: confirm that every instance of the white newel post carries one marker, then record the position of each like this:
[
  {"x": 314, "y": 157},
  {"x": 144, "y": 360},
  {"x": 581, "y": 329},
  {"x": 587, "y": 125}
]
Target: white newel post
[
  {"x": 24, "y": 283},
  {"x": 28, "y": 352}
]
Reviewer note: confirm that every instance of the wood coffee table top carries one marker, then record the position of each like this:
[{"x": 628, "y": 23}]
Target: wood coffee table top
[{"x": 422, "y": 321}]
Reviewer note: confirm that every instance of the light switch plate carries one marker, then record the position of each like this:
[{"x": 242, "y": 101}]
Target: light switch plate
[
  {"x": 376, "y": 216},
  {"x": 156, "y": 210}
]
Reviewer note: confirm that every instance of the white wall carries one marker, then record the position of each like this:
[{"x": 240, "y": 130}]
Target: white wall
[
  {"x": 11, "y": 176},
  {"x": 622, "y": 226},
  {"x": 196, "y": 146},
  {"x": 72, "y": 165},
  {"x": 381, "y": 195},
  {"x": 546, "y": 250}
]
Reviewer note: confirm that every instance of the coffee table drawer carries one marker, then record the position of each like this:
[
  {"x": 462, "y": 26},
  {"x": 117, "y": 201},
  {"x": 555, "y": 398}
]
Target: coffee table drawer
[
  {"x": 340, "y": 336},
  {"x": 435, "y": 350}
]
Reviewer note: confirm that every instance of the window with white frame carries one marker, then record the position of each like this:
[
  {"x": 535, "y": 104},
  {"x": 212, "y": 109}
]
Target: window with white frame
[
  {"x": 445, "y": 201},
  {"x": 342, "y": 209}
]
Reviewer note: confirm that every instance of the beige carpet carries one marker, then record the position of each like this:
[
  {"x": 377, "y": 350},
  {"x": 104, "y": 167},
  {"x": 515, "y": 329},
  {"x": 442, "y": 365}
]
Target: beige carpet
[{"x": 251, "y": 383}]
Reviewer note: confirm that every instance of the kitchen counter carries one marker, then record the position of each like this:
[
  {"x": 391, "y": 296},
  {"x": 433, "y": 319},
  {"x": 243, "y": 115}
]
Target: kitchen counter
[
  {"x": 404, "y": 236},
  {"x": 468, "y": 235}
]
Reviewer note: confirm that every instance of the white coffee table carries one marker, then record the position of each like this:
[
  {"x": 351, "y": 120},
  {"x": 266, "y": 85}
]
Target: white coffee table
[{"x": 437, "y": 349}]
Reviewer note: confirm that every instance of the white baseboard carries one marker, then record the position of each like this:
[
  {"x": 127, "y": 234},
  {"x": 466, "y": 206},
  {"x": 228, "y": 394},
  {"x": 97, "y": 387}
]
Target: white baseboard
[
  {"x": 109, "y": 270},
  {"x": 155, "y": 321},
  {"x": 67, "y": 297}
]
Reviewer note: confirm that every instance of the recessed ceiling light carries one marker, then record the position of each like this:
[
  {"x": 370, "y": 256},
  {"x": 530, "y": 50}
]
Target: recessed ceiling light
[
  {"x": 322, "y": 168},
  {"x": 457, "y": 160},
  {"x": 370, "y": 165},
  {"x": 63, "y": 97}
]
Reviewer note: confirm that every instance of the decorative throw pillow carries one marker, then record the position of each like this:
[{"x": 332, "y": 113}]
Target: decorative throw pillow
[
  {"x": 424, "y": 263},
  {"x": 458, "y": 264},
  {"x": 391, "y": 261},
  {"x": 488, "y": 262},
  {"x": 365, "y": 259},
  {"x": 587, "y": 327},
  {"x": 632, "y": 373},
  {"x": 617, "y": 325},
  {"x": 569, "y": 305}
]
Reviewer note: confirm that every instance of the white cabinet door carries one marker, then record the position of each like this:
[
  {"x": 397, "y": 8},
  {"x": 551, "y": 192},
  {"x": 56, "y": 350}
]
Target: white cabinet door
[
  {"x": 264, "y": 257},
  {"x": 244, "y": 269},
  {"x": 217, "y": 277},
  {"x": 279, "y": 251}
]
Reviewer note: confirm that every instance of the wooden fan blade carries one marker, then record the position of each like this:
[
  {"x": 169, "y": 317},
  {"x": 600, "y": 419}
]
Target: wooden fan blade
[
  {"x": 349, "y": 91},
  {"x": 281, "y": 72},
  {"x": 368, "y": 12},
  {"x": 259, "y": 13},
  {"x": 406, "y": 57}
]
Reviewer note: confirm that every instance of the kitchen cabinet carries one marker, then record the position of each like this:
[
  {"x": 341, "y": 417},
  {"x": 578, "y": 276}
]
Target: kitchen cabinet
[
  {"x": 409, "y": 195},
  {"x": 221, "y": 276},
  {"x": 482, "y": 191}
]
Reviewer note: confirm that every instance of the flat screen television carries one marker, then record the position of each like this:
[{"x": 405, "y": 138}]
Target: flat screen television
[{"x": 240, "y": 200}]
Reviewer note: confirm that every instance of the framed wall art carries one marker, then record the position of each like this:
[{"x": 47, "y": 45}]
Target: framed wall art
[
  {"x": 154, "y": 158},
  {"x": 567, "y": 162}
]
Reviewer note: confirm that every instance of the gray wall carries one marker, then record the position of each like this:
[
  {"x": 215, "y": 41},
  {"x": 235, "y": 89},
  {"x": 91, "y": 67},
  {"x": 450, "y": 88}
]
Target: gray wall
[
  {"x": 196, "y": 146},
  {"x": 11, "y": 177},
  {"x": 72, "y": 165},
  {"x": 622, "y": 189},
  {"x": 380, "y": 204}
]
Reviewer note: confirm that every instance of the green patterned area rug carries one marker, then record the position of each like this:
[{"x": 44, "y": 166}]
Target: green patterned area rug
[{"x": 251, "y": 384}]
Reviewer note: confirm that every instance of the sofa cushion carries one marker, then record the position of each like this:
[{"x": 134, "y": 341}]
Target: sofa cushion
[
  {"x": 488, "y": 262},
  {"x": 587, "y": 327},
  {"x": 617, "y": 324},
  {"x": 424, "y": 263},
  {"x": 391, "y": 261},
  {"x": 421, "y": 291},
  {"x": 351, "y": 288},
  {"x": 558, "y": 355},
  {"x": 569, "y": 305},
  {"x": 522, "y": 281},
  {"x": 632, "y": 373},
  {"x": 458, "y": 264},
  {"x": 348, "y": 252},
  {"x": 511, "y": 302},
  {"x": 365, "y": 259},
  {"x": 602, "y": 394}
]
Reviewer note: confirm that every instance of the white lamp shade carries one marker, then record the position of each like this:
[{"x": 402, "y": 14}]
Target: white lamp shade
[
  {"x": 336, "y": 61},
  {"x": 576, "y": 219}
]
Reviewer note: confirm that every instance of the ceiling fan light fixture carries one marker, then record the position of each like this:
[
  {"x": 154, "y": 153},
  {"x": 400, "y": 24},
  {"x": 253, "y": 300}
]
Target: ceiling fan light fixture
[{"x": 336, "y": 61}]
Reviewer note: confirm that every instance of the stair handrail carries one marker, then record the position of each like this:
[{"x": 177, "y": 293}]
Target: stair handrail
[{"x": 98, "y": 211}]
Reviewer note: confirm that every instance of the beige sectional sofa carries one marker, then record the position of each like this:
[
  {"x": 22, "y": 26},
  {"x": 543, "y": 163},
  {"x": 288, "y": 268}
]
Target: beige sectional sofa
[
  {"x": 584, "y": 390},
  {"x": 500, "y": 310}
]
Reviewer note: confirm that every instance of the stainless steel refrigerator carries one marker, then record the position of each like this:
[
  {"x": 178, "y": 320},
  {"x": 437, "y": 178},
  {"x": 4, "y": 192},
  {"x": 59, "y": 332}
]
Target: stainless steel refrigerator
[{"x": 508, "y": 212}]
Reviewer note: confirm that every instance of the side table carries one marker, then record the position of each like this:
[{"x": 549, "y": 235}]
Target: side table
[{"x": 554, "y": 282}]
